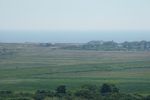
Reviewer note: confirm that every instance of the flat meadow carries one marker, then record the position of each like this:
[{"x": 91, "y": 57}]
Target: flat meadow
[{"x": 30, "y": 68}]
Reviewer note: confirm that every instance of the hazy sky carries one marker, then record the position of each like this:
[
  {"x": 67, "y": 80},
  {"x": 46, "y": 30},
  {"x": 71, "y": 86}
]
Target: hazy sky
[{"x": 75, "y": 15}]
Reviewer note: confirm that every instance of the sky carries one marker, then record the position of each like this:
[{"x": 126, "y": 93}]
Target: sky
[{"x": 74, "y": 20}]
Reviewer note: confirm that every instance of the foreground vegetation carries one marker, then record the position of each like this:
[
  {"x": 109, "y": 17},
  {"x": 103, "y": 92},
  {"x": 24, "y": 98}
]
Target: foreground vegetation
[{"x": 84, "y": 92}]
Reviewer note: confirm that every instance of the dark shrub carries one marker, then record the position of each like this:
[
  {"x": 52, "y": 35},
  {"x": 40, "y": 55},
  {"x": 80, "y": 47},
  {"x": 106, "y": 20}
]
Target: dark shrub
[
  {"x": 147, "y": 98},
  {"x": 5, "y": 92},
  {"x": 41, "y": 94},
  {"x": 61, "y": 89},
  {"x": 108, "y": 88},
  {"x": 105, "y": 89}
]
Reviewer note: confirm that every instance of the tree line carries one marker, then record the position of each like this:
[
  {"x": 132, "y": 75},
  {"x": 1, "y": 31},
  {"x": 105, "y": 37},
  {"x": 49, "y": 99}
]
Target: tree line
[{"x": 113, "y": 46}]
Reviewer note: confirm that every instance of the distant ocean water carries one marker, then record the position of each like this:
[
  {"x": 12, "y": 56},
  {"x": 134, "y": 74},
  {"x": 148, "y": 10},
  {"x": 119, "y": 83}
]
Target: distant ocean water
[{"x": 72, "y": 36}]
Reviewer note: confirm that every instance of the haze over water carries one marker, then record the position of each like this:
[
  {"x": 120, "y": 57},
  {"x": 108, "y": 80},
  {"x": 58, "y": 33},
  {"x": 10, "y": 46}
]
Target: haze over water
[{"x": 71, "y": 37}]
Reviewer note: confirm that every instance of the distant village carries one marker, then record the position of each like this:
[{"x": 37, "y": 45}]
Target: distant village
[
  {"x": 103, "y": 45},
  {"x": 91, "y": 45}
]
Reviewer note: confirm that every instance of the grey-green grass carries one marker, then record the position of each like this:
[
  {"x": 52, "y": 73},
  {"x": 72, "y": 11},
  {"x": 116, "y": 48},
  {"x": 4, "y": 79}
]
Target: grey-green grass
[{"x": 31, "y": 67}]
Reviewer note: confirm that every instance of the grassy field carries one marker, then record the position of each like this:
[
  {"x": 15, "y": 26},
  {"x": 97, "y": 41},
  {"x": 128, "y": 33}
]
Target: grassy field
[{"x": 31, "y": 68}]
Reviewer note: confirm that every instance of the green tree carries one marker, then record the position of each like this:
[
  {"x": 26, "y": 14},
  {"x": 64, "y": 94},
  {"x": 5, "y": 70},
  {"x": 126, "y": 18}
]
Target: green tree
[
  {"x": 61, "y": 89},
  {"x": 108, "y": 88}
]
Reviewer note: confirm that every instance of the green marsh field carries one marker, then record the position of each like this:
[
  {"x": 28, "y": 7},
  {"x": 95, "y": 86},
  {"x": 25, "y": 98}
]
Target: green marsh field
[{"x": 28, "y": 68}]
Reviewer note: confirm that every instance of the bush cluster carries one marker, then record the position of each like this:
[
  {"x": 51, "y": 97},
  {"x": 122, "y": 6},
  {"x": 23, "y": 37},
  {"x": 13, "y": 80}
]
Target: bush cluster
[{"x": 84, "y": 92}]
